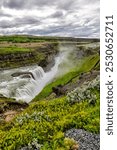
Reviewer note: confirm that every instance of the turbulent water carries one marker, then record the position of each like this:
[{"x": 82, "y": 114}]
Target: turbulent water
[{"x": 26, "y": 88}]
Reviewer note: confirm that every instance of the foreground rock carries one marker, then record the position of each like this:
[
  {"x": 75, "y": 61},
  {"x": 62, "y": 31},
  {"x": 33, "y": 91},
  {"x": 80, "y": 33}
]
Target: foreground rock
[{"x": 86, "y": 140}]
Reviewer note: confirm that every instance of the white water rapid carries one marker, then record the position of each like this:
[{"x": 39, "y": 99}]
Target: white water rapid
[{"x": 26, "y": 86}]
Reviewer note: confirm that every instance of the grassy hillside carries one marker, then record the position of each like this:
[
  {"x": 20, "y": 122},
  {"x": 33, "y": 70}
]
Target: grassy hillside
[
  {"x": 91, "y": 61},
  {"x": 45, "y": 122},
  {"x": 42, "y": 124}
]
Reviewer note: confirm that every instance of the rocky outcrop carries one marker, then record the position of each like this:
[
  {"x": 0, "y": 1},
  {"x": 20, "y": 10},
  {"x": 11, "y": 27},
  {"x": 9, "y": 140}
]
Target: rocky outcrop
[
  {"x": 59, "y": 90},
  {"x": 14, "y": 60},
  {"x": 6, "y": 104},
  {"x": 50, "y": 51},
  {"x": 86, "y": 140},
  {"x": 16, "y": 56},
  {"x": 43, "y": 55},
  {"x": 83, "y": 77}
]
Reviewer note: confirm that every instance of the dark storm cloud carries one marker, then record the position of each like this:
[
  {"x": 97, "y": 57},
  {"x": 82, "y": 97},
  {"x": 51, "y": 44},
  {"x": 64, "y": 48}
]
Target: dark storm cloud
[
  {"x": 22, "y": 4},
  {"x": 50, "y": 17},
  {"x": 18, "y": 22},
  {"x": 16, "y": 4},
  {"x": 57, "y": 14}
]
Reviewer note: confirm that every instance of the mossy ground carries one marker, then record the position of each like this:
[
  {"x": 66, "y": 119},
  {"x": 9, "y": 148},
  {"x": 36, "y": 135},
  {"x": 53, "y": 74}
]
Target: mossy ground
[{"x": 47, "y": 122}]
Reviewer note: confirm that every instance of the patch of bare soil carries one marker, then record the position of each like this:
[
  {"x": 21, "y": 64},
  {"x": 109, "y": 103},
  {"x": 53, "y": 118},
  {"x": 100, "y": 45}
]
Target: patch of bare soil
[
  {"x": 9, "y": 109},
  {"x": 9, "y": 115}
]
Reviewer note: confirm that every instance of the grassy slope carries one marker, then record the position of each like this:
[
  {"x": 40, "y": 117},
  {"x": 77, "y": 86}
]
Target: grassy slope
[
  {"x": 47, "y": 121},
  {"x": 91, "y": 61}
]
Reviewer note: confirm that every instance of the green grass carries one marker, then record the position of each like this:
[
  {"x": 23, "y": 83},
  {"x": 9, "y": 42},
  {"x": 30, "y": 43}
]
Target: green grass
[
  {"x": 47, "y": 121},
  {"x": 91, "y": 61},
  {"x": 20, "y": 39},
  {"x": 13, "y": 49},
  {"x": 28, "y": 38}
]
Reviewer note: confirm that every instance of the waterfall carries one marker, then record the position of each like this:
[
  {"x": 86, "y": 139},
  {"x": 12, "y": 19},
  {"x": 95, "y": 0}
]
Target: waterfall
[
  {"x": 29, "y": 83},
  {"x": 38, "y": 73}
]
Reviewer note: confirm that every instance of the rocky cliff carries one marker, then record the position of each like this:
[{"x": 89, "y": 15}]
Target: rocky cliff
[{"x": 42, "y": 55}]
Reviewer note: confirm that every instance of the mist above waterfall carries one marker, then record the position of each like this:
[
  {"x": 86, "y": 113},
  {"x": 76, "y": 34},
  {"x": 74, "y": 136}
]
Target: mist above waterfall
[{"x": 67, "y": 52}]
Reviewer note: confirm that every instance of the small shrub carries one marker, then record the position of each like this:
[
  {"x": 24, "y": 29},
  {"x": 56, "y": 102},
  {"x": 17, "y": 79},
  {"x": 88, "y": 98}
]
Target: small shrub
[
  {"x": 33, "y": 145},
  {"x": 85, "y": 92},
  {"x": 70, "y": 144}
]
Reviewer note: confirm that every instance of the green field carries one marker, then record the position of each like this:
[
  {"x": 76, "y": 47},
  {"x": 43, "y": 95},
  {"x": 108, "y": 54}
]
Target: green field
[{"x": 12, "y": 50}]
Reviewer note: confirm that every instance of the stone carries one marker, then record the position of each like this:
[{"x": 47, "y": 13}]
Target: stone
[{"x": 86, "y": 140}]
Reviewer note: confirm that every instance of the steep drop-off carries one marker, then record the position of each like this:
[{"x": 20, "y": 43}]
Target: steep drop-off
[{"x": 26, "y": 54}]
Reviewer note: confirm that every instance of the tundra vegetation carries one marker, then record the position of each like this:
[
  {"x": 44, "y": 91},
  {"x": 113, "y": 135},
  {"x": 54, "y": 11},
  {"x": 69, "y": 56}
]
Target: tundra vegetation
[{"x": 71, "y": 100}]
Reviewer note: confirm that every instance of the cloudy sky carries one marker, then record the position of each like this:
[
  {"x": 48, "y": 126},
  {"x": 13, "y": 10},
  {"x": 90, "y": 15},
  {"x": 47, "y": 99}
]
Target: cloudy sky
[{"x": 76, "y": 18}]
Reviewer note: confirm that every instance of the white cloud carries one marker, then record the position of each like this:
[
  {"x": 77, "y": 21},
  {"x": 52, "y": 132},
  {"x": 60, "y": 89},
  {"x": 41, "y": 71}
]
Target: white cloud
[{"x": 78, "y": 18}]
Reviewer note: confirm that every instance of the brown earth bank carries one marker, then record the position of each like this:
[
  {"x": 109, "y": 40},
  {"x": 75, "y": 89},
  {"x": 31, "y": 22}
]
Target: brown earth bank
[{"x": 9, "y": 108}]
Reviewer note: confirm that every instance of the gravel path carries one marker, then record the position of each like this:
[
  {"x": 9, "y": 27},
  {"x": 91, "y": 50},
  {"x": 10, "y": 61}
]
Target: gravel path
[{"x": 86, "y": 140}]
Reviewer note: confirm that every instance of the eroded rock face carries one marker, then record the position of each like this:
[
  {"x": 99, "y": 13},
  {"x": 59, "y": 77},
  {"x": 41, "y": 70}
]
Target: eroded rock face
[
  {"x": 17, "y": 56},
  {"x": 48, "y": 63},
  {"x": 42, "y": 54}
]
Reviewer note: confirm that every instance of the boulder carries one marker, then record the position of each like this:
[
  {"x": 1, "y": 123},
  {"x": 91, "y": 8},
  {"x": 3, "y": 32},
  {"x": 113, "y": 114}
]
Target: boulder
[{"x": 59, "y": 90}]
